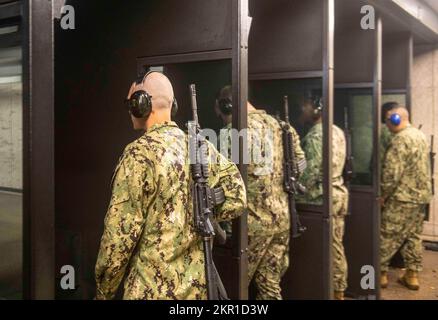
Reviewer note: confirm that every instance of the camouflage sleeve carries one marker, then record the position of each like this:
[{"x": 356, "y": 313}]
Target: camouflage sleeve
[
  {"x": 312, "y": 175},
  {"x": 123, "y": 225},
  {"x": 234, "y": 189},
  {"x": 385, "y": 139},
  {"x": 299, "y": 153},
  {"x": 393, "y": 166},
  {"x": 225, "y": 142}
]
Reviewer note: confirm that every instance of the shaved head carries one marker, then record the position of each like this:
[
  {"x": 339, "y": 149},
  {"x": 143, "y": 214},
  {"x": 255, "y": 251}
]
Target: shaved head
[
  {"x": 404, "y": 117},
  {"x": 402, "y": 112},
  {"x": 159, "y": 87}
]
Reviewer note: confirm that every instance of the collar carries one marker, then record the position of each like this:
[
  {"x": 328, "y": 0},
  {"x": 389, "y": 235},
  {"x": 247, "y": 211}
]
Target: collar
[
  {"x": 161, "y": 125},
  {"x": 258, "y": 111},
  {"x": 407, "y": 127},
  {"x": 316, "y": 126}
]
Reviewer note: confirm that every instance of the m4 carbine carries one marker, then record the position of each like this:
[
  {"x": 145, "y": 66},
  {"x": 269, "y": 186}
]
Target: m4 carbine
[
  {"x": 348, "y": 173},
  {"x": 432, "y": 164},
  {"x": 204, "y": 201},
  {"x": 291, "y": 172}
]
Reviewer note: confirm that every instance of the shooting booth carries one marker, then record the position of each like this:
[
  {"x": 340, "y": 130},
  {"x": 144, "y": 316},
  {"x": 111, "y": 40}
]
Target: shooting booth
[
  {"x": 358, "y": 63},
  {"x": 26, "y": 150},
  {"x": 397, "y": 55},
  {"x": 11, "y": 147},
  {"x": 73, "y": 139},
  {"x": 193, "y": 41},
  {"x": 291, "y": 53}
]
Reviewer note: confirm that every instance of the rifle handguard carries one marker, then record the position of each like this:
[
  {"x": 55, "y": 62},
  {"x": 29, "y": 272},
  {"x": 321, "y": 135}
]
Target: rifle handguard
[
  {"x": 218, "y": 199},
  {"x": 302, "y": 165},
  {"x": 219, "y": 196},
  {"x": 301, "y": 190}
]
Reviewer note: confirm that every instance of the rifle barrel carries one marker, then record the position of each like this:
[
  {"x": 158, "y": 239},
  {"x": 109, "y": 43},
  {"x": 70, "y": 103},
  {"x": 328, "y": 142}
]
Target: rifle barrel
[
  {"x": 286, "y": 109},
  {"x": 194, "y": 103},
  {"x": 346, "y": 124},
  {"x": 203, "y": 205}
]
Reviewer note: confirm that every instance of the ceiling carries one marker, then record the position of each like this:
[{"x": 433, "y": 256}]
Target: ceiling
[{"x": 433, "y": 4}]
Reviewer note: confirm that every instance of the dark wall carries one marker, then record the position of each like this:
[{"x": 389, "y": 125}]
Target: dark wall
[
  {"x": 396, "y": 56},
  {"x": 95, "y": 65},
  {"x": 209, "y": 77},
  {"x": 294, "y": 27},
  {"x": 354, "y": 49},
  {"x": 268, "y": 95}
]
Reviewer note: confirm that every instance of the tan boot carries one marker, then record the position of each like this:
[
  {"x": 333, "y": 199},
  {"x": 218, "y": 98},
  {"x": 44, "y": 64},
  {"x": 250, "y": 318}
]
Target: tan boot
[
  {"x": 384, "y": 279},
  {"x": 339, "y": 295},
  {"x": 410, "y": 280}
]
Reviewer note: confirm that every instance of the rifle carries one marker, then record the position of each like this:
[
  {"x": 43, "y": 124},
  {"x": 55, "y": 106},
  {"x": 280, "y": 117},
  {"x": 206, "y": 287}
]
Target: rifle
[
  {"x": 204, "y": 201},
  {"x": 348, "y": 173},
  {"x": 432, "y": 155},
  {"x": 291, "y": 184}
]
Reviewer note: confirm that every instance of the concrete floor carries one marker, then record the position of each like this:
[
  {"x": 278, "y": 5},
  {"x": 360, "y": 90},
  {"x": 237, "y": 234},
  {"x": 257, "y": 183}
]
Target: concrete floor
[
  {"x": 10, "y": 246},
  {"x": 428, "y": 282}
]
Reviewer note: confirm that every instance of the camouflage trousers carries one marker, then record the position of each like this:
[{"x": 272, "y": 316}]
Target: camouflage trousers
[
  {"x": 268, "y": 260},
  {"x": 401, "y": 228},
  {"x": 340, "y": 267}
]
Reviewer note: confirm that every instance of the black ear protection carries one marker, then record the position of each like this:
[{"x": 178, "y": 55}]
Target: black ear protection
[
  {"x": 174, "y": 108},
  {"x": 140, "y": 103},
  {"x": 225, "y": 105},
  {"x": 317, "y": 104}
]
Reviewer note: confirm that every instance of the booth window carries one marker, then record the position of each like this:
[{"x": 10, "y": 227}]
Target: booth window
[
  {"x": 11, "y": 153},
  {"x": 394, "y": 97},
  {"x": 357, "y": 105}
]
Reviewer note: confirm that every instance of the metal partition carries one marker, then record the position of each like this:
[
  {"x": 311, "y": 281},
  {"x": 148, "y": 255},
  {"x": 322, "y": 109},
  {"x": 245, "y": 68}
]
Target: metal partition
[
  {"x": 279, "y": 66},
  {"x": 398, "y": 53},
  {"x": 38, "y": 151},
  {"x": 199, "y": 39},
  {"x": 11, "y": 150},
  {"x": 358, "y": 62}
]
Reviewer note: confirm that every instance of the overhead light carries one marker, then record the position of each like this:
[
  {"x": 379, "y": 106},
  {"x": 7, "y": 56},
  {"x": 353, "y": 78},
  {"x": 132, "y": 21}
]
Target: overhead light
[
  {"x": 8, "y": 30},
  {"x": 11, "y": 79}
]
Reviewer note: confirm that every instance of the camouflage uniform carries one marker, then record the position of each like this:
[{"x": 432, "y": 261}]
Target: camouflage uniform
[
  {"x": 385, "y": 139},
  {"x": 268, "y": 214},
  {"x": 312, "y": 180},
  {"x": 406, "y": 186},
  {"x": 149, "y": 234}
]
